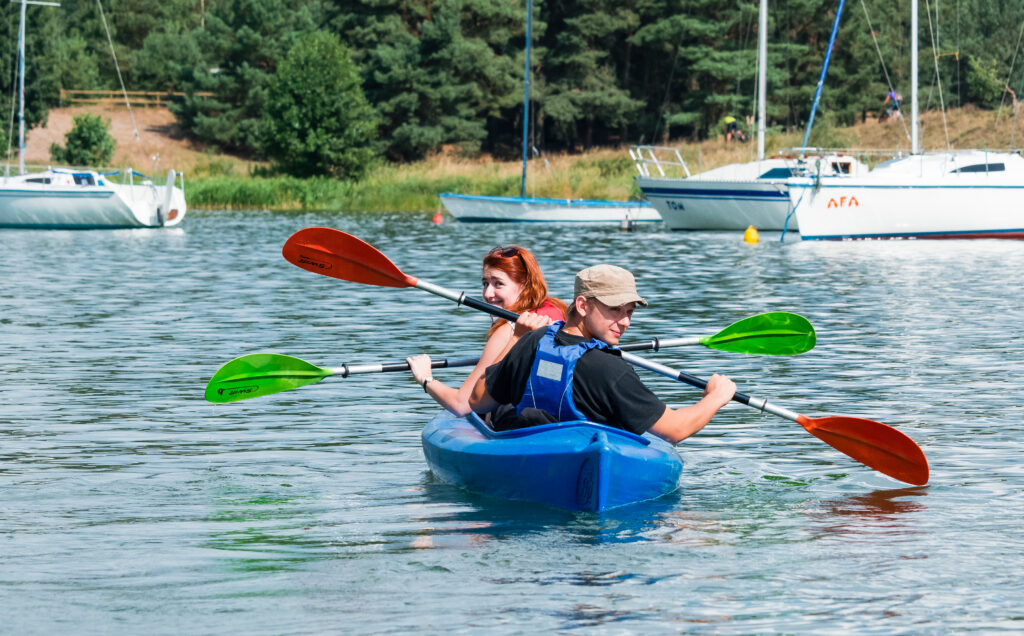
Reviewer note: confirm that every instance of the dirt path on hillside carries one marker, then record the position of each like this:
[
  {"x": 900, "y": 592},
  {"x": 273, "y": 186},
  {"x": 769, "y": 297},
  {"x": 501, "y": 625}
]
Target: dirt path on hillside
[{"x": 161, "y": 144}]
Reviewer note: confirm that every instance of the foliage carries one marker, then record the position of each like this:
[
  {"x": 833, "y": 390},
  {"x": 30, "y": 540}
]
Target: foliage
[
  {"x": 3, "y": 133},
  {"x": 317, "y": 121},
  {"x": 983, "y": 78},
  {"x": 88, "y": 143},
  {"x": 439, "y": 73},
  {"x": 42, "y": 85},
  {"x": 446, "y": 75},
  {"x": 826, "y": 134},
  {"x": 241, "y": 43}
]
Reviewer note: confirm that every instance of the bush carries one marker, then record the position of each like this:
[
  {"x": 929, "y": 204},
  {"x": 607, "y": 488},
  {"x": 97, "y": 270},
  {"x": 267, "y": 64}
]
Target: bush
[
  {"x": 88, "y": 143},
  {"x": 983, "y": 83},
  {"x": 317, "y": 121}
]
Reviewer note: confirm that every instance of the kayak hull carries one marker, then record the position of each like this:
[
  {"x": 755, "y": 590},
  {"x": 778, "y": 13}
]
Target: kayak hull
[{"x": 574, "y": 465}]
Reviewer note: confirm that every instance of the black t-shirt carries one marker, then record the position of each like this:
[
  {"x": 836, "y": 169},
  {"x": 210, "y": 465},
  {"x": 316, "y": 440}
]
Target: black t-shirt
[{"x": 605, "y": 388}]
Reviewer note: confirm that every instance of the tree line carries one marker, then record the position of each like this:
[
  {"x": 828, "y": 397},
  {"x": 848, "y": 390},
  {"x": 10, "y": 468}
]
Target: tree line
[{"x": 419, "y": 76}]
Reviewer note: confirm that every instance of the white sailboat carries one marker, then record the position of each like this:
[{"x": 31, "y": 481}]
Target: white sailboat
[
  {"x": 480, "y": 208},
  {"x": 735, "y": 196},
  {"x": 80, "y": 199},
  {"x": 952, "y": 194}
]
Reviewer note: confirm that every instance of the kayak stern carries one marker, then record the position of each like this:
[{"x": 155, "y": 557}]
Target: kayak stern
[{"x": 574, "y": 465}]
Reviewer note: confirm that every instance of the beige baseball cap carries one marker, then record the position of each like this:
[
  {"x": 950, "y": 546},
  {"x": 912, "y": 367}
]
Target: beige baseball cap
[{"x": 609, "y": 284}]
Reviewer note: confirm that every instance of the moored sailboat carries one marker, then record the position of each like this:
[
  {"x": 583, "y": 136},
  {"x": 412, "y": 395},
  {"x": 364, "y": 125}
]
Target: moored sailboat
[
  {"x": 756, "y": 193},
  {"x": 483, "y": 208},
  {"x": 81, "y": 198},
  {"x": 950, "y": 194},
  {"x": 85, "y": 199}
]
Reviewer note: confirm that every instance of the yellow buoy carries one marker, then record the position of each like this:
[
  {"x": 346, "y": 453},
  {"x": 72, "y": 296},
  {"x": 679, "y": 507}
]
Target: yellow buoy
[{"x": 750, "y": 235}]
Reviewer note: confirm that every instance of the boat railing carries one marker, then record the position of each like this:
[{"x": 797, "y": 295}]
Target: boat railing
[{"x": 660, "y": 157}]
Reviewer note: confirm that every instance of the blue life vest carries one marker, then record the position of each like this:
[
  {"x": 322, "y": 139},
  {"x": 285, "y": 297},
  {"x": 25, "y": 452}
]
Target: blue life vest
[{"x": 549, "y": 387}]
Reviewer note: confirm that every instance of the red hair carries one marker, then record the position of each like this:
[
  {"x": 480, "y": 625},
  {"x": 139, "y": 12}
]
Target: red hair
[{"x": 521, "y": 267}]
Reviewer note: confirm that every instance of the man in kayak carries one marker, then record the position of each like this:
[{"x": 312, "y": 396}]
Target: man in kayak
[{"x": 567, "y": 371}]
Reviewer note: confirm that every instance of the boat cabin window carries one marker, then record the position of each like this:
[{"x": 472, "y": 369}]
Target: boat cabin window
[
  {"x": 84, "y": 179},
  {"x": 841, "y": 168},
  {"x": 45, "y": 180},
  {"x": 778, "y": 173},
  {"x": 982, "y": 167}
]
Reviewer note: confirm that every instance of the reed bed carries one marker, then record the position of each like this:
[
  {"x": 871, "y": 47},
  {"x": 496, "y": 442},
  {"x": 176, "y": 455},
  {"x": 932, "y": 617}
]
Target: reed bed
[{"x": 602, "y": 173}]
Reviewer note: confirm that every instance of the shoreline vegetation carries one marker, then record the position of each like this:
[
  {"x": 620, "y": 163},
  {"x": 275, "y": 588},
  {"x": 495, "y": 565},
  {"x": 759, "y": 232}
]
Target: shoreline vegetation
[
  {"x": 218, "y": 182},
  {"x": 600, "y": 173}
]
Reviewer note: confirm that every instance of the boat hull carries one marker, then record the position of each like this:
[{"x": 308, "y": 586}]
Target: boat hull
[
  {"x": 879, "y": 211},
  {"x": 483, "y": 209},
  {"x": 80, "y": 207},
  {"x": 572, "y": 465},
  {"x": 693, "y": 204}
]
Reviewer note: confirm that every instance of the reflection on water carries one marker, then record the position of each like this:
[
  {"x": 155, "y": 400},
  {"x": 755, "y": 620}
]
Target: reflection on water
[{"x": 131, "y": 505}]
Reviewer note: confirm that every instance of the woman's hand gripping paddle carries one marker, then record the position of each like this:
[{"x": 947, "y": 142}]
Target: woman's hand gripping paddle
[{"x": 334, "y": 253}]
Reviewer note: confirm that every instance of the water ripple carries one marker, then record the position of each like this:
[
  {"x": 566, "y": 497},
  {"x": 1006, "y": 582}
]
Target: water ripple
[{"x": 130, "y": 504}]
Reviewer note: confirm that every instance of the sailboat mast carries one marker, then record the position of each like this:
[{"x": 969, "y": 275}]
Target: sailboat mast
[
  {"x": 21, "y": 90},
  {"x": 915, "y": 144},
  {"x": 762, "y": 76},
  {"x": 526, "y": 95},
  {"x": 21, "y": 80},
  {"x": 824, "y": 72}
]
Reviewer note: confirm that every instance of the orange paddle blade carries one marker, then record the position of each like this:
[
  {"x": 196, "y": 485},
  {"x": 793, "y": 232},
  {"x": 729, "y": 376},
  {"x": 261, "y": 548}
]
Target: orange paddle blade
[
  {"x": 324, "y": 250},
  {"x": 873, "y": 444}
]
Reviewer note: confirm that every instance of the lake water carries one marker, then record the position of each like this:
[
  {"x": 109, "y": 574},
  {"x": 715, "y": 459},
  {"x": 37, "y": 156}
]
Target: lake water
[{"x": 130, "y": 505}]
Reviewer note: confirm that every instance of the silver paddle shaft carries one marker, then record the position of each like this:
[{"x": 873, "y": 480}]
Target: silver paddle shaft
[
  {"x": 675, "y": 374},
  {"x": 346, "y": 370}
]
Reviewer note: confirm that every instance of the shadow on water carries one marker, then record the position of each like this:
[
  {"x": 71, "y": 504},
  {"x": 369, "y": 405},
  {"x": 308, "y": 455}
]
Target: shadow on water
[{"x": 890, "y": 511}]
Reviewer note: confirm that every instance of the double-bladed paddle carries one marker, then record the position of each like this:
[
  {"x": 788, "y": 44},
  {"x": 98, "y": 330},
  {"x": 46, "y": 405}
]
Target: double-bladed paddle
[
  {"x": 260, "y": 374},
  {"x": 340, "y": 255}
]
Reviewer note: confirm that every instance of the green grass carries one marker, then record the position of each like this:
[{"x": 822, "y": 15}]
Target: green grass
[{"x": 383, "y": 190}]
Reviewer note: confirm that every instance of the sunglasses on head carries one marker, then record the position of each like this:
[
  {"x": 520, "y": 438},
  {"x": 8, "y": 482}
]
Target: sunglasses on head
[{"x": 505, "y": 252}]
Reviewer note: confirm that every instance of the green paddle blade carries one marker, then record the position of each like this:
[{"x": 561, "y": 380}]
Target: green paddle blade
[
  {"x": 261, "y": 374},
  {"x": 776, "y": 333}
]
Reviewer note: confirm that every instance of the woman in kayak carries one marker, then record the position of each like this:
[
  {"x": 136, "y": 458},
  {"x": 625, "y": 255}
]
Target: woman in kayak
[{"x": 511, "y": 280}]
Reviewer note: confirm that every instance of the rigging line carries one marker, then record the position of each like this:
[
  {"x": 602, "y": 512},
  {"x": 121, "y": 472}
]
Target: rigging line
[
  {"x": 881, "y": 60},
  {"x": 131, "y": 115},
  {"x": 10, "y": 127},
  {"x": 753, "y": 104},
  {"x": 938, "y": 79},
  {"x": 935, "y": 45},
  {"x": 1013, "y": 61},
  {"x": 668, "y": 88},
  {"x": 959, "y": 99}
]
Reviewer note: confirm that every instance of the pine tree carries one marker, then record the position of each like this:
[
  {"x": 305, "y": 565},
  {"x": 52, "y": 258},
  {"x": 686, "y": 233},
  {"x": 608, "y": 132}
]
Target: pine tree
[
  {"x": 242, "y": 42},
  {"x": 317, "y": 121}
]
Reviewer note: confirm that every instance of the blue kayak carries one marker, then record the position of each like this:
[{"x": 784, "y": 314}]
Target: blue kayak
[{"x": 576, "y": 465}]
